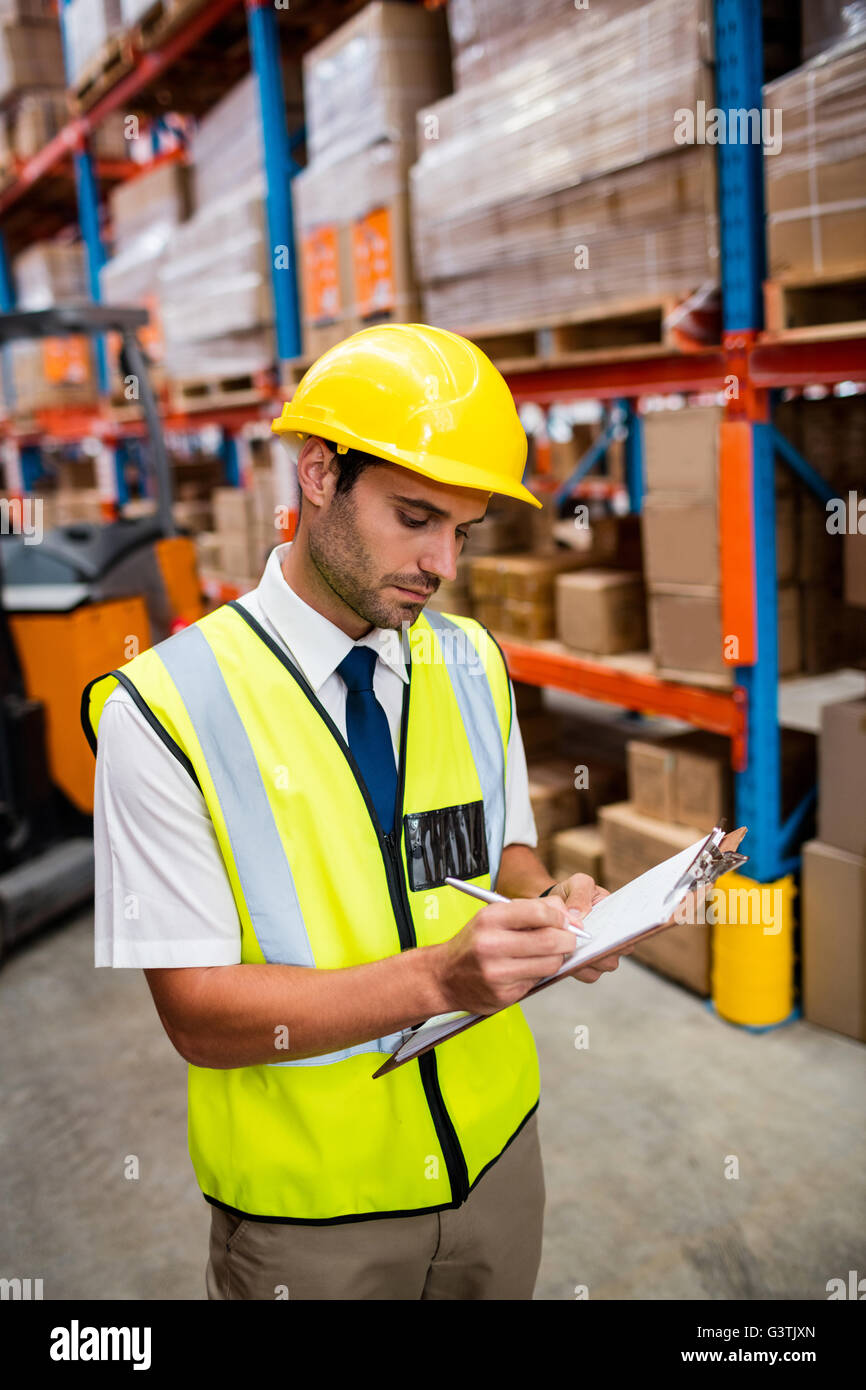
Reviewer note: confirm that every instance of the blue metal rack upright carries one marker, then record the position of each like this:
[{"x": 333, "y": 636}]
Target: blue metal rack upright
[{"x": 739, "y": 74}]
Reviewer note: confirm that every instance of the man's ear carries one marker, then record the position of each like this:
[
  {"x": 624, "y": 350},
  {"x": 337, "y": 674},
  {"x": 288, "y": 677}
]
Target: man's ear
[{"x": 317, "y": 474}]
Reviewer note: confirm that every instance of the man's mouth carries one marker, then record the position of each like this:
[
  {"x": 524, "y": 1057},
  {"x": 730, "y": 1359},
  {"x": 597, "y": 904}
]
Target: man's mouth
[{"x": 419, "y": 596}]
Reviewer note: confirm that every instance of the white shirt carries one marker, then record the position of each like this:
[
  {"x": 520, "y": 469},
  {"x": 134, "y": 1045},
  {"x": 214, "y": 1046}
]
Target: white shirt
[{"x": 162, "y": 894}]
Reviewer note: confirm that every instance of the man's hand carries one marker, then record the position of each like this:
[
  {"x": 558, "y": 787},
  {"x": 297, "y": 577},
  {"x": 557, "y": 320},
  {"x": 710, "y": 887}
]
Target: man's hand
[
  {"x": 580, "y": 893},
  {"x": 502, "y": 952}
]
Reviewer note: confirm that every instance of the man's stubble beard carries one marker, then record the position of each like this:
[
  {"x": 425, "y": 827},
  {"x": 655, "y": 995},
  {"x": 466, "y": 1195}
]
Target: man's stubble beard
[{"x": 345, "y": 564}]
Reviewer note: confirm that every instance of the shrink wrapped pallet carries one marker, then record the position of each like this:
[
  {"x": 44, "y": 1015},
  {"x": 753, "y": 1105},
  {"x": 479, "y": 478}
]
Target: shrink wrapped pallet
[
  {"x": 816, "y": 183},
  {"x": 535, "y": 197},
  {"x": 366, "y": 81},
  {"x": 88, "y": 25},
  {"x": 489, "y": 35}
]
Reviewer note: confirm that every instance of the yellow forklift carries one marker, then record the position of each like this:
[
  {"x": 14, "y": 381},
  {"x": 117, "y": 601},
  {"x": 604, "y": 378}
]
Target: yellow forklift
[{"x": 75, "y": 601}]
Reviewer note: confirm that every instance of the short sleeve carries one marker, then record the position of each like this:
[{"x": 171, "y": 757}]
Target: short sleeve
[
  {"x": 162, "y": 894},
  {"x": 519, "y": 821}
]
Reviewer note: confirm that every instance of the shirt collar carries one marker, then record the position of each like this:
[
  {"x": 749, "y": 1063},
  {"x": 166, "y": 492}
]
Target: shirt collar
[{"x": 316, "y": 643}]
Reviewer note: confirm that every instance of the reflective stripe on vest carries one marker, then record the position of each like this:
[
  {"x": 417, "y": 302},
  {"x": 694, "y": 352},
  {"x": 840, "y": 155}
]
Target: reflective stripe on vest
[{"x": 478, "y": 712}]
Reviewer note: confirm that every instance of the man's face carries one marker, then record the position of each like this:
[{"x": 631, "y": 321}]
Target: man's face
[{"x": 385, "y": 546}]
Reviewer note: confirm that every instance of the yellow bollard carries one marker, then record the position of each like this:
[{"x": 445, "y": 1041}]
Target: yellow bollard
[{"x": 753, "y": 949}]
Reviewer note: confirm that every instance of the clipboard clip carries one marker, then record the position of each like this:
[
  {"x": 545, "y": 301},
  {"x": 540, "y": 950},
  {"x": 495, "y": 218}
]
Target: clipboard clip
[{"x": 708, "y": 865}]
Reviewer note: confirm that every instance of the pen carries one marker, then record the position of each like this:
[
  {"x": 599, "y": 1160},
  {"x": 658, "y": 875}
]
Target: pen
[{"x": 487, "y": 897}]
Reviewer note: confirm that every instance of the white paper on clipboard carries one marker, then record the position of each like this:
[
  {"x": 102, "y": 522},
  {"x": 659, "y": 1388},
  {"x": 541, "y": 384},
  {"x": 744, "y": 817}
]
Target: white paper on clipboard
[{"x": 630, "y": 912}]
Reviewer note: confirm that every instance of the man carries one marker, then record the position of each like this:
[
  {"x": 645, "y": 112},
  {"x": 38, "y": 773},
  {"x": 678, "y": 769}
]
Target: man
[{"x": 281, "y": 790}]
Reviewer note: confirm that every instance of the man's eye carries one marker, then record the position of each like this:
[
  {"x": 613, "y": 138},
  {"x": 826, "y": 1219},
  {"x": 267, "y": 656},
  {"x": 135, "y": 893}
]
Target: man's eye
[
  {"x": 410, "y": 521},
  {"x": 464, "y": 535}
]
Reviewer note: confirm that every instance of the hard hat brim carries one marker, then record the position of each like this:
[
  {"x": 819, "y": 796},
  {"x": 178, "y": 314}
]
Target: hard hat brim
[{"x": 440, "y": 469}]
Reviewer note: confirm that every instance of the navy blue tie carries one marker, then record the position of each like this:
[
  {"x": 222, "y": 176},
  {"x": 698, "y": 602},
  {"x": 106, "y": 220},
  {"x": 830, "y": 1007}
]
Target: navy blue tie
[{"x": 367, "y": 733}]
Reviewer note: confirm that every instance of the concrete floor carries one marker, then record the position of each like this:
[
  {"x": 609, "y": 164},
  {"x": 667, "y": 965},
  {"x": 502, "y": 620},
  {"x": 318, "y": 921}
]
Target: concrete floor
[{"x": 636, "y": 1132}]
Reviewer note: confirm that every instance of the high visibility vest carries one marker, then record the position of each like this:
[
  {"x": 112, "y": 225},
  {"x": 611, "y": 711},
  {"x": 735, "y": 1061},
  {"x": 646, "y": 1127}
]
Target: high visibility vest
[{"x": 317, "y": 883}]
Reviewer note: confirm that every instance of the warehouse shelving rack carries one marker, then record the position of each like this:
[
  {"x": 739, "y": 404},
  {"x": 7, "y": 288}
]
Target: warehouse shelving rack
[{"x": 745, "y": 369}]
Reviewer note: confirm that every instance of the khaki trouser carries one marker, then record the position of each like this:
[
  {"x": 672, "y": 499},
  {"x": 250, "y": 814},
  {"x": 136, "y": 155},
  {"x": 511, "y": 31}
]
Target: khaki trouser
[{"x": 488, "y": 1248}]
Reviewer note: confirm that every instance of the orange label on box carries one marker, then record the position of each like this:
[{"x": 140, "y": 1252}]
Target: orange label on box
[
  {"x": 321, "y": 274},
  {"x": 373, "y": 263},
  {"x": 66, "y": 360}
]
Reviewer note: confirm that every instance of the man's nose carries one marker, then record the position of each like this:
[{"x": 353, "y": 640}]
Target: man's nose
[{"x": 440, "y": 556}]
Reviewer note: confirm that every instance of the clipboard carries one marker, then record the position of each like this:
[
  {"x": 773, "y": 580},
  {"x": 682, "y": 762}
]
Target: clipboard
[{"x": 665, "y": 889}]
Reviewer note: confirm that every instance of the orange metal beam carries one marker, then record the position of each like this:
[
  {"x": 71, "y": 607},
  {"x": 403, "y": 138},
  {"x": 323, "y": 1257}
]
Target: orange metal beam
[{"x": 719, "y": 712}]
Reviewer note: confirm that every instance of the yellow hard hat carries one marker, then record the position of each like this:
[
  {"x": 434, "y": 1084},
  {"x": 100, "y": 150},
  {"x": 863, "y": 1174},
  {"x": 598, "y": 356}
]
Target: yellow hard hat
[{"x": 420, "y": 397}]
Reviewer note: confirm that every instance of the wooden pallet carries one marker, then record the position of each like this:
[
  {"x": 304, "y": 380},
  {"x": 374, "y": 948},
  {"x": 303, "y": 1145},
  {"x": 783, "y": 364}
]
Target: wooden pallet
[
  {"x": 163, "y": 19},
  {"x": 291, "y": 373},
  {"x": 816, "y": 307},
  {"x": 220, "y": 393},
  {"x": 113, "y": 61},
  {"x": 636, "y": 328}
]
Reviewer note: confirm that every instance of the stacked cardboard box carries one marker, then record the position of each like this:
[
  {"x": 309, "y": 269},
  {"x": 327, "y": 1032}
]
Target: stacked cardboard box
[
  {"x": 31, "y": 53},
  {"x": 363, "y": 86},
  {"x": 514, "y": 594},
  {"x": 51, "y": 371},
  {"x": 215, "y": 296},
  {"x": 687, "y": 777},
  {"x": 816, "y": 181},
  {"x": 834, "y": 878},
  {"x": 516, "y": 222},
  {"x": 680, "y": 786},
  {"x": 243, "y": 526},
  {"x": 680, "y": 523}
]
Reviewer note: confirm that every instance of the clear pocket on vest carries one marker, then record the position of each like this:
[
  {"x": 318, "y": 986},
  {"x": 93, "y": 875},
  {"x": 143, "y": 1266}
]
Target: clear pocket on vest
[{"x": 449, "y": 843}]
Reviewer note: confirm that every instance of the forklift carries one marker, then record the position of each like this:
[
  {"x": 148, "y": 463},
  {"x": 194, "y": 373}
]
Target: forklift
[{"x": 79, "y": 600}]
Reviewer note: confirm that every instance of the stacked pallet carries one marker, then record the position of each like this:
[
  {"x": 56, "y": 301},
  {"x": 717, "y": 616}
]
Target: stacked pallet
[
  {"x": 214, "y": 280},
  {"x": 146, "y": 212},
  {"x": 363, "y": 86},
  {"x": 517, "y": 223}
]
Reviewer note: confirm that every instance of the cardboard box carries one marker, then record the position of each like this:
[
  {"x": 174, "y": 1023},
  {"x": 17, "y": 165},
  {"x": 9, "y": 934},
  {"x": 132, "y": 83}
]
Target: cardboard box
[
  {"x": 681, "y": 451},
  {"x": 855, "y": 570},
  {"x": 833, "y": 632},
  {"x": 634, "y": 843},
  {"x": 842, "y": 780},
  {"x": 601, "y": 611},
  {"x": 578, "y": 851},
  {"x": 539, "y": 730},
  {"x": 686, "y": 634},
  {"x": 553, "y": 796},
  {"x": 687, "y": 778},
  {"x": 834, "y": 939},
  {"x": 652, "y": 776},
  {"x": 522, "y": 577},
  {"x": 681, "y": 540}
]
